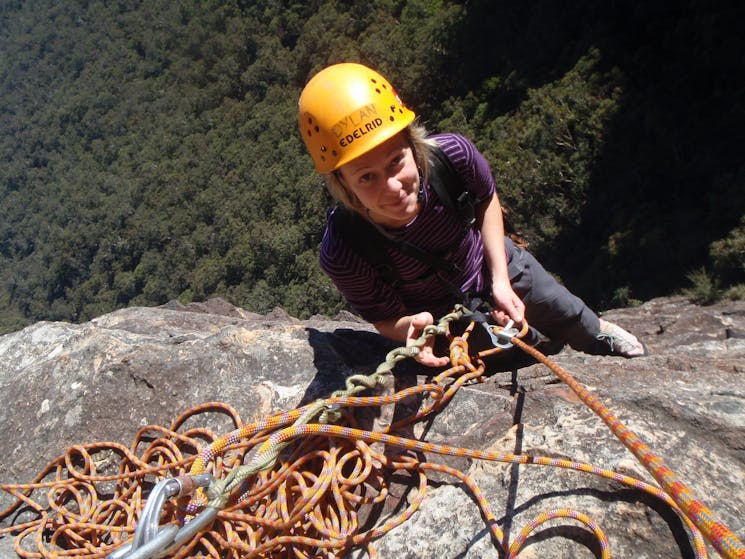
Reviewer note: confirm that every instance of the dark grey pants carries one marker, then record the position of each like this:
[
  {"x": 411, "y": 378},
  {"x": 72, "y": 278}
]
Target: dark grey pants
[{"x": 550, "y": 307}]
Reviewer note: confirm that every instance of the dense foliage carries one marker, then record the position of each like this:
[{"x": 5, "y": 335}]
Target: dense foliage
[{"x": 148, "y": 150}]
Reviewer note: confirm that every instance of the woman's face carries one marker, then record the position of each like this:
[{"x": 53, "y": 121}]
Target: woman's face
[{"x": 386, "y": 181}]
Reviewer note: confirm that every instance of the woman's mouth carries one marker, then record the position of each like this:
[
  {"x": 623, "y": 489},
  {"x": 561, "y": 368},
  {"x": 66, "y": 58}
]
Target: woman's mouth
[{"x": 399, "y": 202}]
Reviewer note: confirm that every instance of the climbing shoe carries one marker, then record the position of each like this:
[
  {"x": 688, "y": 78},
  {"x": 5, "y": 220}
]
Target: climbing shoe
[{"x": 614, "y": 340}]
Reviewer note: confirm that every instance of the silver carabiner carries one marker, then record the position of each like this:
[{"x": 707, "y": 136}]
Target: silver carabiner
[
  {"x": 150, "y": 540},
  {"x": 501, "y": 338}
]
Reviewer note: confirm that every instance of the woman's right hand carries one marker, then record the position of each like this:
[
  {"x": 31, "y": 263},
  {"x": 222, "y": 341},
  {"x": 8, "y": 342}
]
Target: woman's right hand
[{"x": 426, "y": 355}]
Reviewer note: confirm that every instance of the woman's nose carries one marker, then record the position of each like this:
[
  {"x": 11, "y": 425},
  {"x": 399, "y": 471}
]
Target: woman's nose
[{"x": 393, "y": 183}]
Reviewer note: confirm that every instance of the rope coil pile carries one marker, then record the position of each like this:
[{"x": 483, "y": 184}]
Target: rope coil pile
[{"x": 304, "y": 483}]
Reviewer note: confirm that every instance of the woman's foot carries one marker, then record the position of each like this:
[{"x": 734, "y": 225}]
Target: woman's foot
[{"x": 614, "y": 340}]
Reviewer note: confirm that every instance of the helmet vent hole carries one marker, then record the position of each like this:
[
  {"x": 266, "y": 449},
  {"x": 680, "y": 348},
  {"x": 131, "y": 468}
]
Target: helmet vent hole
[{"x": 323, "y": 148}]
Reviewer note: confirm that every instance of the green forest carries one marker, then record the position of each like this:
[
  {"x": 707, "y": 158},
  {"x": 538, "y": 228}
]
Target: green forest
[{"x": 149, "y": 149}]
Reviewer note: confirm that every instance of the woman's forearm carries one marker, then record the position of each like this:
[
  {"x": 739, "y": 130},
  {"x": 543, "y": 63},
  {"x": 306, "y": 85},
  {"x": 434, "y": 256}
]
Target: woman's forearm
[
  {"x": 507, "y": 305},
  {"x": 492, "y": 235}
]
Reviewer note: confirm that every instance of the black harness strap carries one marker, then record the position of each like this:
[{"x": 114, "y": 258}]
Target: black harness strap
[{"x": 448, "y": 186}]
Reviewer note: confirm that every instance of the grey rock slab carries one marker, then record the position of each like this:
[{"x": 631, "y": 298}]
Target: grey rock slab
[{"x": 64, "y": 384}]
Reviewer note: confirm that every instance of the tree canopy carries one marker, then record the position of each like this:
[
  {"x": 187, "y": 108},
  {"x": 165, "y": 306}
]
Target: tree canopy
[{"x": 149, "y": 150}]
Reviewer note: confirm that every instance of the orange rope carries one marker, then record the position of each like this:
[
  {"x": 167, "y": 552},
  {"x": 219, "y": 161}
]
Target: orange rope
[
  {"x": 316, "y": 500},
  {"x": 718, "y": 534}
]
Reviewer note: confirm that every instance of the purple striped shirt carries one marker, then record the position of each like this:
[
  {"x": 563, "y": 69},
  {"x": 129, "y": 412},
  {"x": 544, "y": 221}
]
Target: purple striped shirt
[{"x": 434, "y": 230}]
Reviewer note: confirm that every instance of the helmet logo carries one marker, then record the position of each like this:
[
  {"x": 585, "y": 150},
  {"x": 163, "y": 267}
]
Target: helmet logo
[
  {"x": 360, "y": 131},
  {"x": 355, "y": 119},
  {"x": 356, "y": 124}
]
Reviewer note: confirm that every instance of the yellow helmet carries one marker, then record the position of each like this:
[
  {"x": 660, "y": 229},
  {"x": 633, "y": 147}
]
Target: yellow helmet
[{"x": 346, "y": 110}]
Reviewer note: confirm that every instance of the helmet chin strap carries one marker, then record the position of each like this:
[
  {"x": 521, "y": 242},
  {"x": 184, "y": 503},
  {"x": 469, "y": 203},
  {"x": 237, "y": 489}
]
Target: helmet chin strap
[{"x": 420, "y": 195}]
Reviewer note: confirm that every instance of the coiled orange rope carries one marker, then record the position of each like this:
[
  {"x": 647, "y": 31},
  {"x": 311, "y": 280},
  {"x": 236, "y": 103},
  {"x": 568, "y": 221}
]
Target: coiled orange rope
[{"x": 317, "y": 494}]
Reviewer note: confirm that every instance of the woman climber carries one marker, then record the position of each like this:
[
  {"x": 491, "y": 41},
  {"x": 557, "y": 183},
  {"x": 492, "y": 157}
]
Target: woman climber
[{"x": 379, "y": 164}]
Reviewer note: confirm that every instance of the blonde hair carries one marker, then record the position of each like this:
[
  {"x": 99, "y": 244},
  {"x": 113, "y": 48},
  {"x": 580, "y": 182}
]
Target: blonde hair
[{"x": 422, "y": 147}]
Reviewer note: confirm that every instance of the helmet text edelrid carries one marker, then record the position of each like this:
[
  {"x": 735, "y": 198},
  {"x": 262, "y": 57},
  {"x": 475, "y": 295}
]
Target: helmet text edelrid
[{"x": 364, "y": 120}]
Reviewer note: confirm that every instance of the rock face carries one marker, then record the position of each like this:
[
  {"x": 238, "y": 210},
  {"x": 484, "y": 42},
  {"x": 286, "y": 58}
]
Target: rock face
[{"x": 63, "y": 384}]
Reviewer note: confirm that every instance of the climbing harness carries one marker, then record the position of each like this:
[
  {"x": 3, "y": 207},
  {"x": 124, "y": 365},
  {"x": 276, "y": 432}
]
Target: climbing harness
[{"x": 300, "y": 483}]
